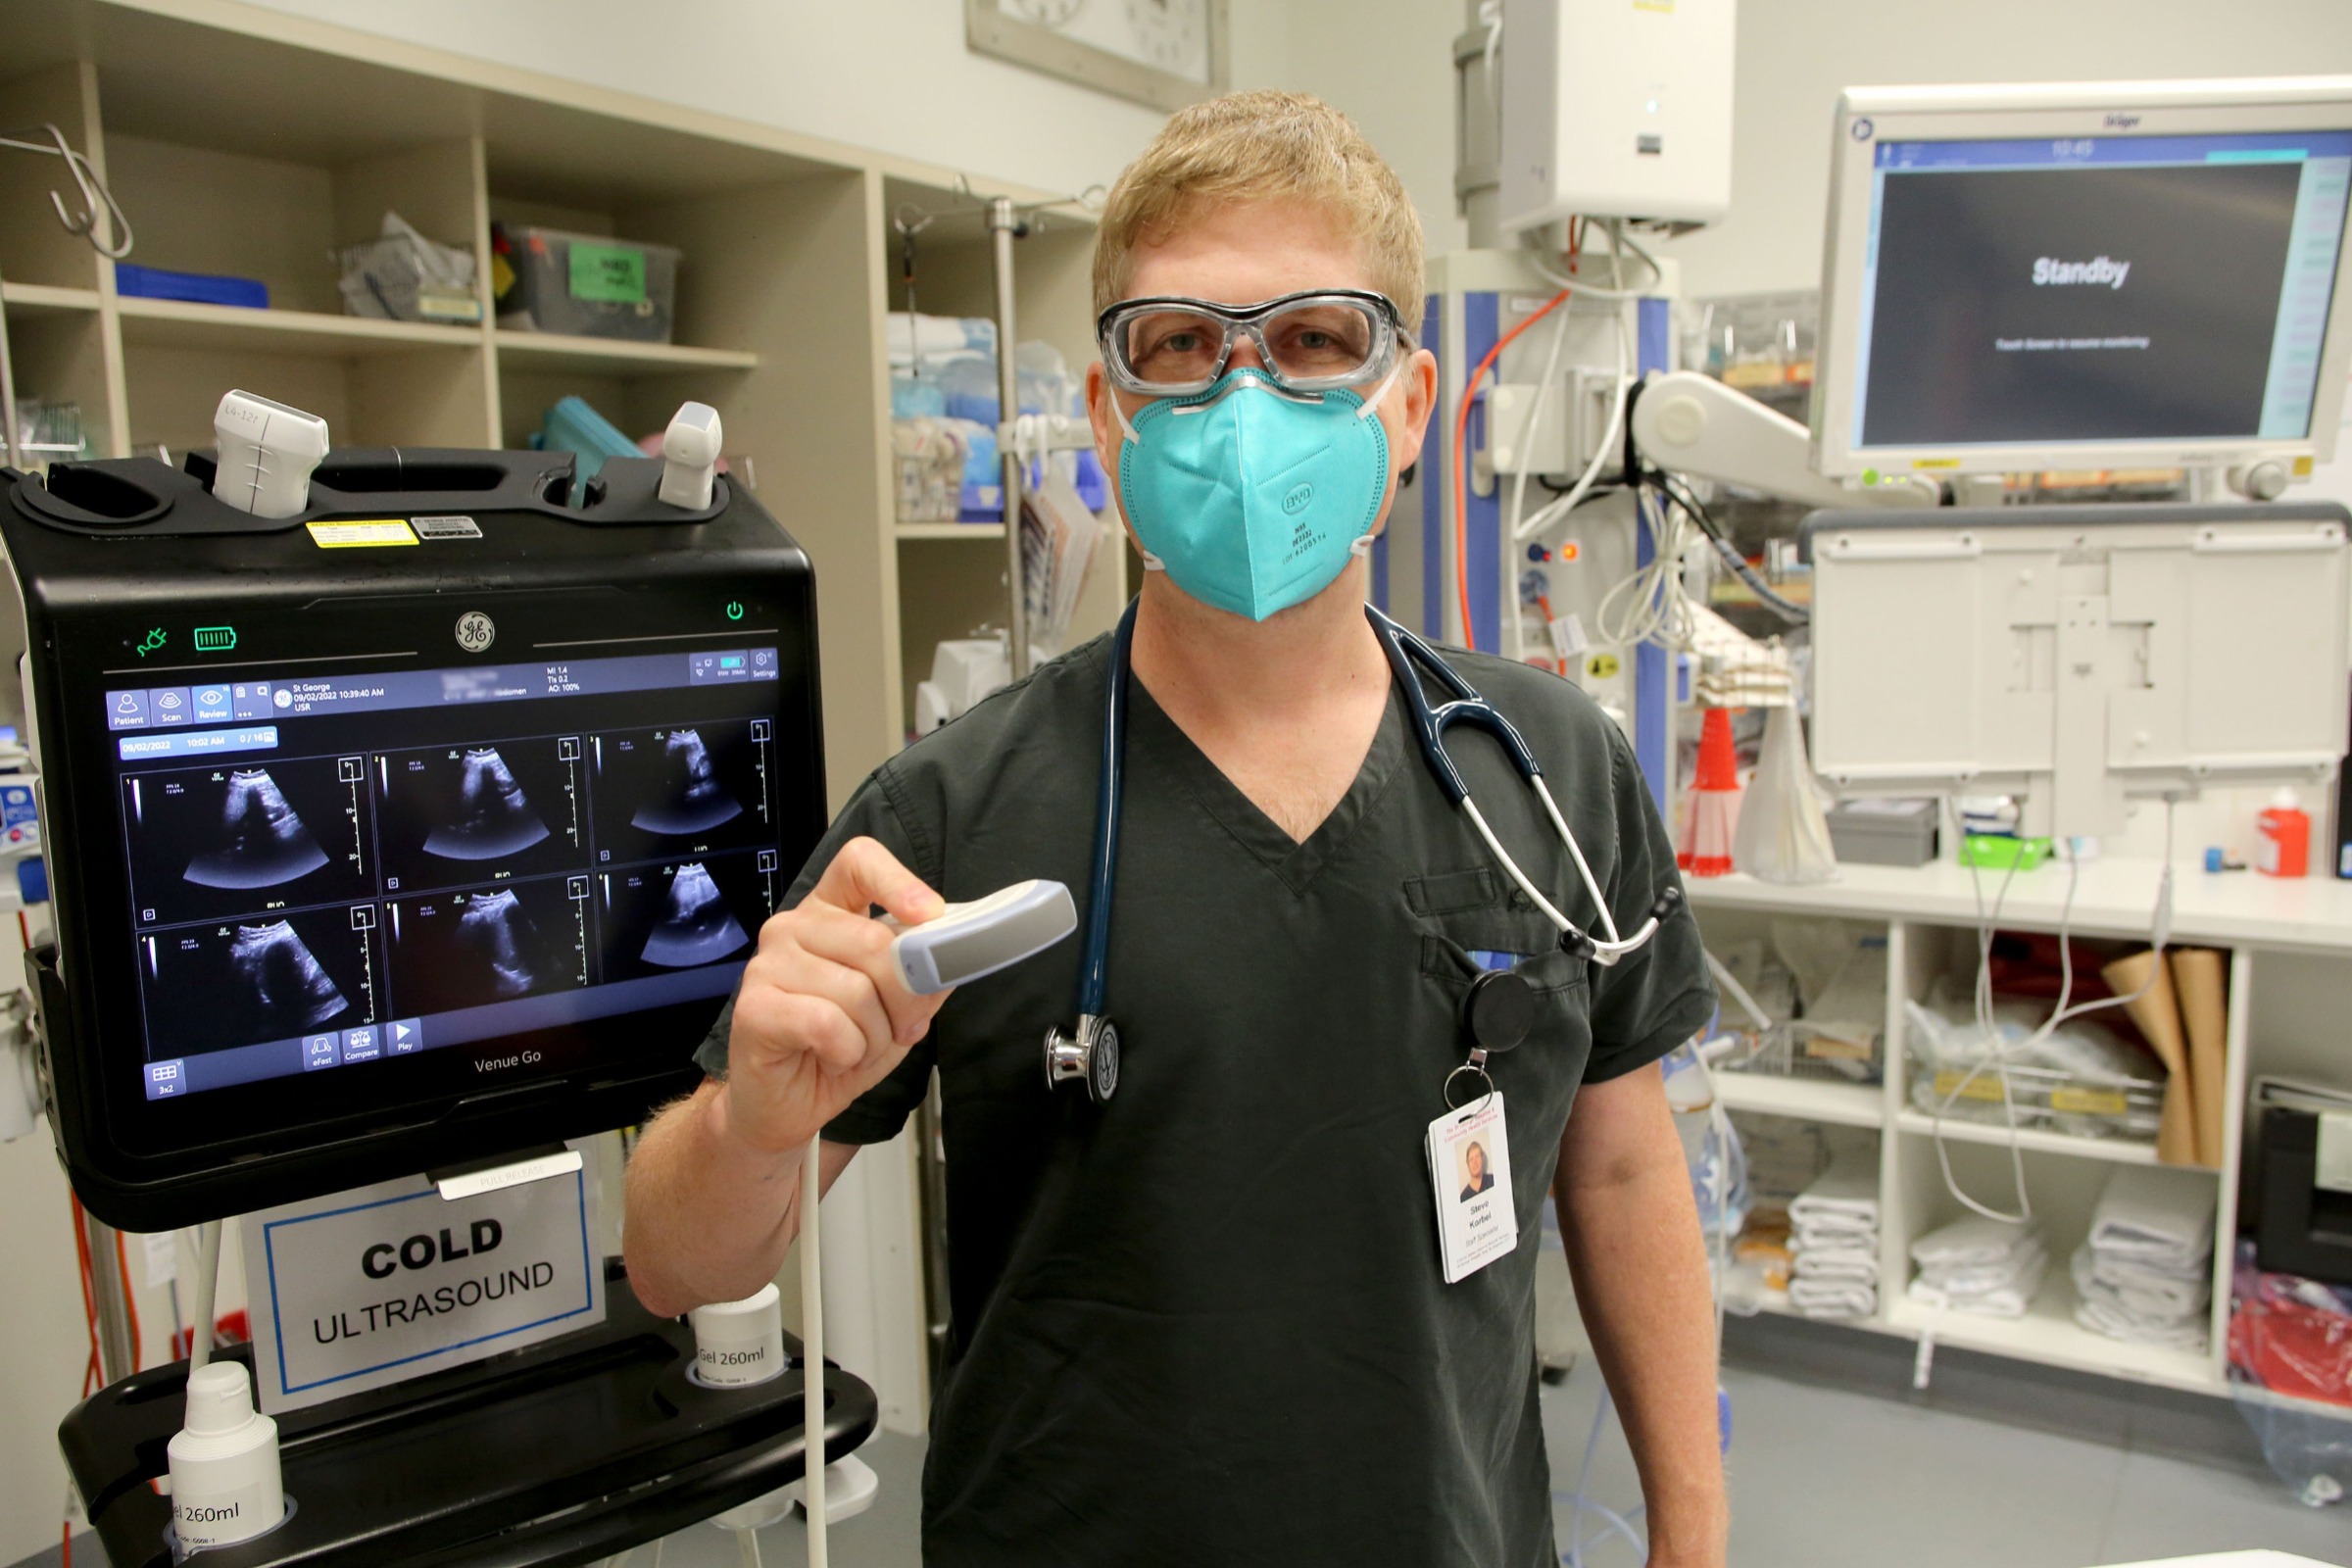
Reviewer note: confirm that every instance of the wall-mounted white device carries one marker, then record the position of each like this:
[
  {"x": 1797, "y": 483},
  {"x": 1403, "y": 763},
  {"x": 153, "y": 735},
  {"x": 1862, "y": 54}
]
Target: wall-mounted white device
[
  {"x": 2079, "y": 656},
  {"x": 690, "y": 456},
  {"x": 1616, "y": 109},
  {"x": 266, "y": 453}
]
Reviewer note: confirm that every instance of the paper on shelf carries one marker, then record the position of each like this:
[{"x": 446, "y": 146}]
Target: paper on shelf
[
  {"x": 2157, "y": 1012},
  {"x": 2201, "y": 977}
]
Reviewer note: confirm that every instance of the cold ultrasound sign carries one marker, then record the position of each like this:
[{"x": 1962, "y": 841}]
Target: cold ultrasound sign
[{"x": 373, "y": 1287}]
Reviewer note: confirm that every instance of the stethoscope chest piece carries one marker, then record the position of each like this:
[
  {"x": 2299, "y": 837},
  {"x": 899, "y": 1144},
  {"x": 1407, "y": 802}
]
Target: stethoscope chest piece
[{"x": 1090, "y": 1057}]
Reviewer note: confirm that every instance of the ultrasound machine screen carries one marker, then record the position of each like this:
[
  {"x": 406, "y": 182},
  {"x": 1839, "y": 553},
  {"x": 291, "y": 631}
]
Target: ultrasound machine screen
[
  {"x": 372, "y": 860},
  {"x": 333, "y": 869}
]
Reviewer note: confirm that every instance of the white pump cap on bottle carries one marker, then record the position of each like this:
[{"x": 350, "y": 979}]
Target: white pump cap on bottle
[
  {"x": 737, "y": 1343},
  {"x": 225, "y": 1485}
]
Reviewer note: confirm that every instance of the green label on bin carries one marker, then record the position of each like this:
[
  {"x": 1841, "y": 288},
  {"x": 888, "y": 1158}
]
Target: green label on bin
[{"x": 614, "y": 272}]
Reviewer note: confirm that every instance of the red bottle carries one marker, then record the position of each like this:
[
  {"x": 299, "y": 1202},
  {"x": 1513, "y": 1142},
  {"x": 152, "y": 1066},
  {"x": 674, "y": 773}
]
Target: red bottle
[{"x": 2284, "y": 828}]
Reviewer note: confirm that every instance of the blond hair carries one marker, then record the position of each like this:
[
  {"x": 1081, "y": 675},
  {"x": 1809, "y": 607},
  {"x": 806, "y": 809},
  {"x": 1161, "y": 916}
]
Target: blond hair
[{"x": 1258, "y": 146}]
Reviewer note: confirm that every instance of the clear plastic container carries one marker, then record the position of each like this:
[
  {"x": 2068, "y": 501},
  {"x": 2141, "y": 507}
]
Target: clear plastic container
[
  {"x": 405, "y": 278},
  {"x": 585, "y": 285}
]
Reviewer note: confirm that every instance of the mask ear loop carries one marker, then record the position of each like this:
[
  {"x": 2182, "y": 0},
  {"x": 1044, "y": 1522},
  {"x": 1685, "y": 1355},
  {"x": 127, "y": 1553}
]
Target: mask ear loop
[
  {"x": 1361, "y": 546},
  {"x": 1152, "y": 563}
]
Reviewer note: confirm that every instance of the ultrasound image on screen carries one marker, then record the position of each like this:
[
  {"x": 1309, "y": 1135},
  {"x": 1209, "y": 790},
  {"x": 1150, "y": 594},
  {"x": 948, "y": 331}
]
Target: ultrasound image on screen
[
  {"x": 2076, "y": 304},
  {"x": 218, "y": 841},
  {"x": 244, "y": 982},
  {"x": 461, "y": 815},
  {"x": 465, "y": 949},
  {"x": 682, "y": 915},
  {"x": 687, "y": 790}
]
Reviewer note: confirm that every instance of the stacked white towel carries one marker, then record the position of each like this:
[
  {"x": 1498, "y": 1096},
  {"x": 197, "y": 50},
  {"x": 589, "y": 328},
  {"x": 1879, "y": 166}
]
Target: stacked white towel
[
  {"x": 1984, "y": 1266},
  {"x": 2145, "y": 1274},
  {"x": 1834, "y": 1239}
]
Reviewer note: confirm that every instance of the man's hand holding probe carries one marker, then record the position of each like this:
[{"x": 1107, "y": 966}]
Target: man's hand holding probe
[{"x": 714, "y": 1187}]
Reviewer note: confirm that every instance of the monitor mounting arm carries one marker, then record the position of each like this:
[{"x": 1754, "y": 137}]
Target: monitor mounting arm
[{"x": 1693, "y": 424}]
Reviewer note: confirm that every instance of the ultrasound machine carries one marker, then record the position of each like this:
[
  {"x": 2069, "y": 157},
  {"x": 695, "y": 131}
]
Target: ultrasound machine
[{"x": 419, "y": 828}]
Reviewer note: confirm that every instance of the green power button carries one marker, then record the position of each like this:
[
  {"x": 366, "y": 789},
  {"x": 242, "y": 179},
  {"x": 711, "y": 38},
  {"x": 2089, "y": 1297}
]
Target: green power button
[{"x": 734, "y": 610}]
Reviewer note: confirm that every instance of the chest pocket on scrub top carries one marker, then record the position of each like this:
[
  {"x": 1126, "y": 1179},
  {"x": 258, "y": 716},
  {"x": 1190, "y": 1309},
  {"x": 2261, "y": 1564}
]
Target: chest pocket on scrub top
[{"x": 1475, "y": 920}]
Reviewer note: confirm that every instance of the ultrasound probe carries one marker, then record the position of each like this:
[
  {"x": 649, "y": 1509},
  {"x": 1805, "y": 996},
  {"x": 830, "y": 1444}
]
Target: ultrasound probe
[{"x": 979, "y": 937}]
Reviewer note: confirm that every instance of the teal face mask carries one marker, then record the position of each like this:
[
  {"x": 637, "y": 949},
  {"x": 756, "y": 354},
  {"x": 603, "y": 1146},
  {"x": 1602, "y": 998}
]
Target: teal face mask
[{"x": 1252, "y": 499}]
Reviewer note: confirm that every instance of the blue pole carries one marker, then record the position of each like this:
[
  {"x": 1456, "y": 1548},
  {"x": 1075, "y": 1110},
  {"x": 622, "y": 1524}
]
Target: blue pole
[{"x": 1653, "y": 735}]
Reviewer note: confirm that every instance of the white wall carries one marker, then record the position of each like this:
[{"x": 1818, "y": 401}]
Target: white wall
[
  {"x": 1797, "y": 55},
  {"x": 888, "y": 74},
  {"x": 1389, "y": 64}
]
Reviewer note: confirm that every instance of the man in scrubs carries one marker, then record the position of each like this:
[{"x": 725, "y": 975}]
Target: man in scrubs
[{"x": 1208, "y": 1322}]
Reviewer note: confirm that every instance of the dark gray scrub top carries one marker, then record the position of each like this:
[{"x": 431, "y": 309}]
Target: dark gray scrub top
[{"x": 1206, "y": 1323}]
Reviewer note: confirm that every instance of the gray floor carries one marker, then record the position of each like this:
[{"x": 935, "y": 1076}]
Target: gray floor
[{"x": 1836, "y": 1463}]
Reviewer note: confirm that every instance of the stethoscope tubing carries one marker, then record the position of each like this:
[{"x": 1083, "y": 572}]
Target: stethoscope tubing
[
  {"x": 1408, "y": 658},
  {"x": 1110, "y": 781}
]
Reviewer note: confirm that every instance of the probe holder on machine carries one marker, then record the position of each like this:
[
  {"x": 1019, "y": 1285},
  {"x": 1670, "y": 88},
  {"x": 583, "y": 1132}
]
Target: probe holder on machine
[
  {"x": 542, "y": 1457},
  {"x": 432, "y": 822}
]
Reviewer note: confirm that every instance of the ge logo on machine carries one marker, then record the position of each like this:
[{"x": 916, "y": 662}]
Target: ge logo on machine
[
  {"x": 1862, "y": 129},
  {"x": 477, "y": 631}
]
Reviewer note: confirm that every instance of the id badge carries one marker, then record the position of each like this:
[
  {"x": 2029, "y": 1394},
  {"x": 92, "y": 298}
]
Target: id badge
[{"x": 1470, "y": 1172}]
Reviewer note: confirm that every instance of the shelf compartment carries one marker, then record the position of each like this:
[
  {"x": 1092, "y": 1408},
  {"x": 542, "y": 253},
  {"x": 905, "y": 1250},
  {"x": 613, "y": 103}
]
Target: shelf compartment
[
  {"x": 601, "y": 356},
  {"x": 183, "y": 324},
  {"x": 1805, "y": 1099},
  {"x": 2116, "y": 1151},
  {"x": 2050, "y": 1335}
]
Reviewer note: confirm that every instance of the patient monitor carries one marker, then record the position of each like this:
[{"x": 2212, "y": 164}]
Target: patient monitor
[
  {"x": 2066, "y": 276},
  {"x": 429, "y": 822},
  {"x": 2087, "y": 275}
]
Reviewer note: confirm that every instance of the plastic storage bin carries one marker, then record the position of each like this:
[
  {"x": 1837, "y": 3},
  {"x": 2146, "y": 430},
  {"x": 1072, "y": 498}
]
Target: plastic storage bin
[
  {"x": 398, "y": 279},
  {"x": 585, "y": 285},
  {"x": 1882, "y": 832}
]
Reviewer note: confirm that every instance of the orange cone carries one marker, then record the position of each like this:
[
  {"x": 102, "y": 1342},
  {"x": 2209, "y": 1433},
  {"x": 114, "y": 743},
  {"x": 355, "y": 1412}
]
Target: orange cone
[{"x": 1712, "y": 810}]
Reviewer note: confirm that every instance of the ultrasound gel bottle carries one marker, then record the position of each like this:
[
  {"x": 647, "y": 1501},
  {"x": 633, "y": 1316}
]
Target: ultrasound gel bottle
[{"x": 225, "y": 1477}]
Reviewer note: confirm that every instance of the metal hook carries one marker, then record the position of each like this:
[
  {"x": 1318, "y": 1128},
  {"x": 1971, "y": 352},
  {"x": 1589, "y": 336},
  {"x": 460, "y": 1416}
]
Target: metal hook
[{"x": 93, "y": 190}]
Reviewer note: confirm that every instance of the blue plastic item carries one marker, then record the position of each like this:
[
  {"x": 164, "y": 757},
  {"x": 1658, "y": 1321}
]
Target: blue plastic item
[
  {"x": 571, "y": 425},
  {"x": 203, "y": 288}
]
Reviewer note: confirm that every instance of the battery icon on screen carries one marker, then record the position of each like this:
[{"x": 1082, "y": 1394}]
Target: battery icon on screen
[
  {"x": 730, "y": 661},
  {"x": 216, "y": 639}
]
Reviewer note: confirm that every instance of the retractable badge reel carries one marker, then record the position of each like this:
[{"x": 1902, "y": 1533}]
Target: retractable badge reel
[
  {"x": 1469, "y": 1143},
  {"x": 1496, "y": 1016}
]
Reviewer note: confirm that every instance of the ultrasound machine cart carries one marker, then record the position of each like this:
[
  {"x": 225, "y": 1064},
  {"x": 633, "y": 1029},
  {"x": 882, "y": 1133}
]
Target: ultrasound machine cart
[{"x": 428, "y": 825}]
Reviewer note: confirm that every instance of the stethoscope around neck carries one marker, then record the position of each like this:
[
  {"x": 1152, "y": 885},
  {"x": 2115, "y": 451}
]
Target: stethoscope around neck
[{"x": 1500, "y": 1004}]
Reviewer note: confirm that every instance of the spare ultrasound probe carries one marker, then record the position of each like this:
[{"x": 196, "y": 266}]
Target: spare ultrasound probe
[{"x": 979, "y": 937}]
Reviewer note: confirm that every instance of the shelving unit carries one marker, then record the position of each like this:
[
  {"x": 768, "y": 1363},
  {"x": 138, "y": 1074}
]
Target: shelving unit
[
  {"x": 255, "y": 142},
  {"x": 2290, "y": 947},
  {"x": 250, "y": 142}
]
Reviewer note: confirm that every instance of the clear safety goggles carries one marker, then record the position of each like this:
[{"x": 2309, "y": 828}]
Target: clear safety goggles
[{"x": 1168, "y": 346}]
